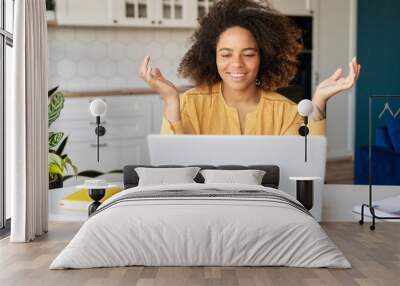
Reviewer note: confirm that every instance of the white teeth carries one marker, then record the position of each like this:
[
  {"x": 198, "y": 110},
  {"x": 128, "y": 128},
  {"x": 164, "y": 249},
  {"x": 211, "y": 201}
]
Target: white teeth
[{"x": 237, "y": 76}]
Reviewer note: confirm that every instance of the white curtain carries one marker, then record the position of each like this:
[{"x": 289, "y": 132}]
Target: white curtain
[{"x": 26, "y": 127}]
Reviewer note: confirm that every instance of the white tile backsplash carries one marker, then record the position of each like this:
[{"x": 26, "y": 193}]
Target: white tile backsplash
[
  {"x": 107, "y": 68},
  {"x": 83, "y": 59},
  {"x": 66, "y": 68},
  {"x": 117, "y": 51},
  {"x": 86, "y": 68},
  {"x": 75, "y": 51},
  {"x": 56, "y": 51},
  {"x": 96, "y": 50},
  {"x": 136, "y": 51},
  {"x": 83, "y": 35}
]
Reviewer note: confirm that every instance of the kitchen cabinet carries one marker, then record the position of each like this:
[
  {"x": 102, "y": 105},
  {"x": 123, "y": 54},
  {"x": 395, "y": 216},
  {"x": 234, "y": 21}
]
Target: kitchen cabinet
[
  {"x": 153, "y": 13},
  {"x": 133, "y": 12},
  {"x": 128, "y": 121},
  {"x": 84, "y": 13},
  {"x": 294, "y": 7},
  {"x": 176, "y": 13},
  {"x": 127, "y": 13},
  {"x": 288, "y": 7},
  {"x": 203, "y": 6}
]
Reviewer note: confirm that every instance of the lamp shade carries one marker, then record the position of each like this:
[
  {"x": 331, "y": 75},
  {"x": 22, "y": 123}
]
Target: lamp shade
[
  {"x": 305, "y": 107},
  {"x": 98, "y": 107}
]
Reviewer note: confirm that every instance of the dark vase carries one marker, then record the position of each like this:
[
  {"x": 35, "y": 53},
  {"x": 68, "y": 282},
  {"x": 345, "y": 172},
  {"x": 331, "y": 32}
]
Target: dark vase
[{"x": 56, "y": 184}]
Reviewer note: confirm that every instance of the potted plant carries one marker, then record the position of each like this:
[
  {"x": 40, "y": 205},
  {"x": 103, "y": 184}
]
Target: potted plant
[{"x": 57, "y": 161}]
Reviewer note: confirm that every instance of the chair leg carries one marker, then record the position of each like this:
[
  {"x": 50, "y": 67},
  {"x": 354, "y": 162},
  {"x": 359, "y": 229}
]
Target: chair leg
[
  {"x": 372, "y": 227},
  {"x": 361, "y": 221}
]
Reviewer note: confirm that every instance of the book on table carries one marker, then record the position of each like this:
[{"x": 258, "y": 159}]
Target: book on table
[{"x": 79, "y": 201}]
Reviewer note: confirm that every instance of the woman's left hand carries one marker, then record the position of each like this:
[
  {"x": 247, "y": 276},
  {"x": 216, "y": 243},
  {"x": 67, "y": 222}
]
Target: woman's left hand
[{"x": 337, "y": 83}]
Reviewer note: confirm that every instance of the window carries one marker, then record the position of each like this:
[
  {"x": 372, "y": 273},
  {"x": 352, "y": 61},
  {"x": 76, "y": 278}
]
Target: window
[{"x": 6, "y": 44}]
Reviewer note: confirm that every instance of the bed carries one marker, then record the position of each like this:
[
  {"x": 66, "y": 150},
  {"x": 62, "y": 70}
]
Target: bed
[{"x": 201, "y": 224}]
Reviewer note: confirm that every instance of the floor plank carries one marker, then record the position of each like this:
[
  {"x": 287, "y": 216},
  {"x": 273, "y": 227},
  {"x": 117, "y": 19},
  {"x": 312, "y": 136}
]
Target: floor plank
[
  {"x": 339, "y": 171},
  {"x": 375, "y": 257}
]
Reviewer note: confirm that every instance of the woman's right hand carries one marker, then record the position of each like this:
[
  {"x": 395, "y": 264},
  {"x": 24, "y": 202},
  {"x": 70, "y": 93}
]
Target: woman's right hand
[
  {"x": 164, "y": 87},
  {"x": 158, "y": 82}
]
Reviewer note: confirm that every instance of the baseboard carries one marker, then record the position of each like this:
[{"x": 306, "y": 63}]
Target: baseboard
[
  {"x": 339, "y": 154},
  {"x": 340, "y": 159}
]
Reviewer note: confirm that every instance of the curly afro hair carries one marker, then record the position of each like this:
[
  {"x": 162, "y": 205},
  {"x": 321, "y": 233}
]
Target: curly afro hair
[{"x": 278, "y": 40}]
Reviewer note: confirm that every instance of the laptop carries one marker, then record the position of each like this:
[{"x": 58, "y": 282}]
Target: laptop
[{"x": 287, "y": 152}]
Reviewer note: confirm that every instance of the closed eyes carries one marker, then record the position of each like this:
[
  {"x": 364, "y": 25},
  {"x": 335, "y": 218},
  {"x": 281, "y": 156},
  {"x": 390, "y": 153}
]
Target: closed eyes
[{"x": 227, "y": 56}]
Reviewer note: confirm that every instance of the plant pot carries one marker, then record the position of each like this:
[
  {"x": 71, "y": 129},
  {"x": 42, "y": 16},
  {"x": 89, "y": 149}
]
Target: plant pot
[{"x": 55, "y": 184}]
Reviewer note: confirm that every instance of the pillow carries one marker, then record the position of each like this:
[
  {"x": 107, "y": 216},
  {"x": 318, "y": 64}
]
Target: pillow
[
  {"x": 393, "y": 126},
  {"x": 382, "y": 138},
  {"x": 249, "y": 177},
  {"x": 389, "y": 205},
  {"x": 162, "y": 176}
]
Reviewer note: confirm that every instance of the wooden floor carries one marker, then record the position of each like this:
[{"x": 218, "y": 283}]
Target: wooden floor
[
  {"x": 374, "y": 255},
  {"x": 340, "y": 171}
]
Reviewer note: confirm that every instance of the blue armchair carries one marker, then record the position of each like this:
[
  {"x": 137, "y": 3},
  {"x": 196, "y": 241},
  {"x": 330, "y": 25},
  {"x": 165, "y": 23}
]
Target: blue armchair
[{"x": 385, "y": 157}]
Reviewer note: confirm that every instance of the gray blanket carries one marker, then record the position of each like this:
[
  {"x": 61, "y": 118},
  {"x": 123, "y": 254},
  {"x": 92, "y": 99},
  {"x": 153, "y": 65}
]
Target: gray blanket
[{"x": 204, "y": 194}]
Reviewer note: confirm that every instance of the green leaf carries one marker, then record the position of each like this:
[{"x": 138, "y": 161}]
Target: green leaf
[
  {"x": 74, "y": 168},
  {"x": 90, "y": 173},
  {"x": 87, "y": 173},
  {"x": 115, "y": 172},
  {"x": 60, "y": 148},
  {"x": 54, "y": 169},
  {"x": 67, "y": 177},
  {"x": 55, "y": 106},
  {"x": 54, "y": 159},
  {"x": 64, "y": 165},
  {"x": 55, "y": 138},
  {"x": 53, "y": 177},
  {"x": 51, "y": 91},
  {"x": 55, "y": 164}
]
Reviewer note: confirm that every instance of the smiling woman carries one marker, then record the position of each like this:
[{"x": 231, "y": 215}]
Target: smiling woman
[{"x": 242, "y": 52}]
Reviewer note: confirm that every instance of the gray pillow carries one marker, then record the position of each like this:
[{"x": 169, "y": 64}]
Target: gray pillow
[
  {"x": 163, "y": 176},
  {"x": 249, "y": 177},
  {"x": 389, "y": 205}
]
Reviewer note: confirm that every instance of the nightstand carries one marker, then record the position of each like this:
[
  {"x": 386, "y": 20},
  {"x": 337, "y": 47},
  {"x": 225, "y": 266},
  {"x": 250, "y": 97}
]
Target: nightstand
[
  {"x": 304, "y": 190},
  {"x": 96, "y": 193}
]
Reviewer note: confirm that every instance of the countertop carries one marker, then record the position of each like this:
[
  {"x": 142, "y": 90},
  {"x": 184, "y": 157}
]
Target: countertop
[{"x": 119, "y": 92}]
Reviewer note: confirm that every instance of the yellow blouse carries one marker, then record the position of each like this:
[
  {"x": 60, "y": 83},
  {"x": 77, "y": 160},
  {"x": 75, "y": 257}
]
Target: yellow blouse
[{"x": 204, "y": 111}]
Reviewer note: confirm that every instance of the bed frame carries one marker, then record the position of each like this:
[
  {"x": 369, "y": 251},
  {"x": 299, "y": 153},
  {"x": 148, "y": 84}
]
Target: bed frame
[{"x": 270, "y": 179}]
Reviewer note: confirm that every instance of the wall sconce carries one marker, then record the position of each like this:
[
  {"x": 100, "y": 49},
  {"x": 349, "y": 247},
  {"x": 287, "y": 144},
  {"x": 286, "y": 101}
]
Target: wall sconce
[
  {"x": 98, "y": 107},
  {"x": 305, "y": 108}
]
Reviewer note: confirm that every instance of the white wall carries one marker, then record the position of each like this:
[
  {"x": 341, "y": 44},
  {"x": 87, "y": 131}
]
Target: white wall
[
  {"x": 108, "y": 58},
  {"x": 336, "y": 48}
]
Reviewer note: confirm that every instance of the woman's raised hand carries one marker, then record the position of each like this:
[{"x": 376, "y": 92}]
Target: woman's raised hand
[
  {"x": 158, "y": 82},
  {"x": 337, "y": 82},
  {"x": 331, "y": 86},
  {"x": 164, "y": 87}
]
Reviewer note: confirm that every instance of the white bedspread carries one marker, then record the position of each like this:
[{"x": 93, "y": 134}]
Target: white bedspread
[{"x": 200, "y": 231}]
